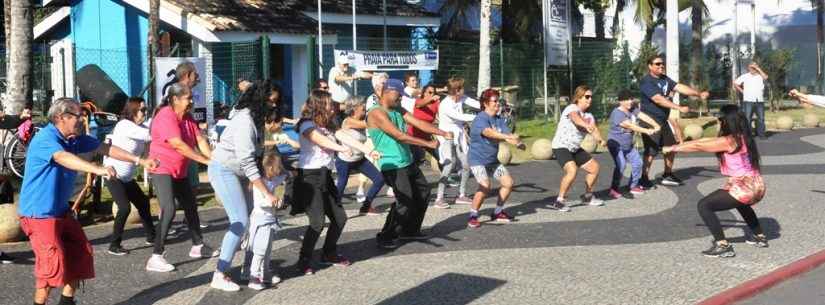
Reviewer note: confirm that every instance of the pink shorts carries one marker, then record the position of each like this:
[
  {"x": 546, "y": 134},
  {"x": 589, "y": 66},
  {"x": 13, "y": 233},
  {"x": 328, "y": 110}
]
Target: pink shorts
[{"x": 62, "y": 253}]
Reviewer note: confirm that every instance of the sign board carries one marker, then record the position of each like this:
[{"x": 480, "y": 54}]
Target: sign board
[
  {"x": 165, "y": 67},
  {"x": 388, "y": 60},
  {"x": 557, "y": 32}
]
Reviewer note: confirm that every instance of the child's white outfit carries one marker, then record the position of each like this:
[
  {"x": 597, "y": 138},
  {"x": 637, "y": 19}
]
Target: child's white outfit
[{"x": 263, "y": 224}]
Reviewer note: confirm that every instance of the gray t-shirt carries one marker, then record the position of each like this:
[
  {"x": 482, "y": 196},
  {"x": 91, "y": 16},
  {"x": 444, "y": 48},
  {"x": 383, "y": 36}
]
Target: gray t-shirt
[
  {"x": 617, "y": 133},
  {"x": 567, "y": 134},
  {"x": 359, "y": 135}
]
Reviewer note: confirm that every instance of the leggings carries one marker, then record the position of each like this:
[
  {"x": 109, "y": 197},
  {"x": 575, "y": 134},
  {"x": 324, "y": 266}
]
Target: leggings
[
  {"x": 446, "y": 168},
  {"x": 123, "y": 193},
  {"x": 366, "y": 168},
  {"x": 721, "y": 200},
  {"x": 317, "y": 193},
  {"x": 168, "y": 189}
]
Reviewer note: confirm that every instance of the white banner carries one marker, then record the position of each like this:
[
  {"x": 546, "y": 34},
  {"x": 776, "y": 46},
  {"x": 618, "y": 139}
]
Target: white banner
[
  {"x": 389, "y": 60},
  {"x": 557, "y": 31},
  {"x": 165, "y": 67}
]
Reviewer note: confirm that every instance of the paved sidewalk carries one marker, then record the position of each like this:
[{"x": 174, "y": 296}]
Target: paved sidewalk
[
  {"x": 641, "y": 251},
  {"x": 803, "y": 290}
]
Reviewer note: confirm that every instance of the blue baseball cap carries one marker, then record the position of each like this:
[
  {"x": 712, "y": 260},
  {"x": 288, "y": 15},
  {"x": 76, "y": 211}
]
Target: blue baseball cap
[{"x": 394, "y": 84}]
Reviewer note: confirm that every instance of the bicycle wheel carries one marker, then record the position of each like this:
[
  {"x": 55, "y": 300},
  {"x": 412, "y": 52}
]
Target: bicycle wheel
[{"x": 15, "y": 156}]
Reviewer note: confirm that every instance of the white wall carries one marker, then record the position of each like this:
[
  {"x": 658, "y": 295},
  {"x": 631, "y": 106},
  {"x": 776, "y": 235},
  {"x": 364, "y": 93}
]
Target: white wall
[
  {"x": 300, "y": 79},
  {"x": 62, "y": 68}
]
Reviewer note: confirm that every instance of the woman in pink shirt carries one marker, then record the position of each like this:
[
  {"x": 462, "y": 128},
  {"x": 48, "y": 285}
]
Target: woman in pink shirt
[
  {"x": 739, "y": 160},
  {"x": 175, "y": 137}
]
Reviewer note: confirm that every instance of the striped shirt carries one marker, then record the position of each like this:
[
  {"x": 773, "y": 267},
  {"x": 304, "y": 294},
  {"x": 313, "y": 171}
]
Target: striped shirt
[{"x": 132, "y": 138}]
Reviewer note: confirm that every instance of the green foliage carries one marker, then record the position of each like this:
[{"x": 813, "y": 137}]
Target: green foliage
[
  {"x": 640, "y": 64},
  {"x": 776, "y": 63},
  {"x": 611, "y": 74}
]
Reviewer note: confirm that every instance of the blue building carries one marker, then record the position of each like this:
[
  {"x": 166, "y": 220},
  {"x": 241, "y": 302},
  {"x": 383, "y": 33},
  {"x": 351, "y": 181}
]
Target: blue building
[{"x": 112, "y": 34}]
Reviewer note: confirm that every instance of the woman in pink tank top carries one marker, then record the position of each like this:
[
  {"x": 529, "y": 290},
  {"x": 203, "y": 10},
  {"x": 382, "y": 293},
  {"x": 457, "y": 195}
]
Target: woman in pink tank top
[{"x": 739, "y": 161}]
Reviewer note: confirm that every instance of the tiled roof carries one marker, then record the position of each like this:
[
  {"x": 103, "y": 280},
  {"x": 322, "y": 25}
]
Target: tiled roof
[
  {"x": 250, "y": 15},
  {"x": 284, "y": 16},
  {"x": 366, "y": 7}
]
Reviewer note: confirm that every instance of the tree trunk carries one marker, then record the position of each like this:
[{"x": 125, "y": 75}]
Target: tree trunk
[
  {"x": 7, "y": 28},
  {"x": 154, "y": 46},
  {"x": 820, "y": 39},
  {"x": 696, "y": 49},
  {"x": 599, "y": 16},
  {"x": 614, "y": 29},
  {"x": 484, "y": 70},
  {"x": 20, "y": 58}
]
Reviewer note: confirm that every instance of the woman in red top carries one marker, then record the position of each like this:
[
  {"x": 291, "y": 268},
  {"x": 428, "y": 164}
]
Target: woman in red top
[
  {"x": 426, "y": 109},
  {"x": 175, "y": 137}
]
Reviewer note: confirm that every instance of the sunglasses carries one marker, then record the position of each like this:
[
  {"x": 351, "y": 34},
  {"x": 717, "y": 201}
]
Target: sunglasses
[
  {"x": 142, "y": 109},
  {"x": 588, "y": 97},
  {"x": 324, "y": 88},
  {"x": 659, "y": 64}
]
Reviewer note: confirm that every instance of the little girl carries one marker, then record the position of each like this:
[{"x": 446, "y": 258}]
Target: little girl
[{"x": 263, "y": 222}]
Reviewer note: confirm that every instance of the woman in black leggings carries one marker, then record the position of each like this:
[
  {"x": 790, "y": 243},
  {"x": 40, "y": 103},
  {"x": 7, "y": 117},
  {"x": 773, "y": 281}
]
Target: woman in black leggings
[
  {"x": 739, "y": 160},
  {"x": 132, "y": 136}
]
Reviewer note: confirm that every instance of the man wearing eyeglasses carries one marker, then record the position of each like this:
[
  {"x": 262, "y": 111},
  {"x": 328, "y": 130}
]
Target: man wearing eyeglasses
[
  {"x": 62, "y": 253},
  {"x": 656, "y": 101}
]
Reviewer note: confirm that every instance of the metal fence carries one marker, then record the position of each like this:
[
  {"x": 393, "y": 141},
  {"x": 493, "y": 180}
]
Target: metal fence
[{"x": 41, "y": 80}]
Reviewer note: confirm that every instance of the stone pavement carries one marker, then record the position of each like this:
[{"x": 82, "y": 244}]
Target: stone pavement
[
  {"x": 640, "y": 251},
  {"x": 806, "y": 289}
]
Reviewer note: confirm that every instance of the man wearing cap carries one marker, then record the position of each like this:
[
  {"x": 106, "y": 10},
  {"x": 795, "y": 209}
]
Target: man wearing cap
[
  {"x": 341, "y": 79},
  {"x": 386, "y": 126}
]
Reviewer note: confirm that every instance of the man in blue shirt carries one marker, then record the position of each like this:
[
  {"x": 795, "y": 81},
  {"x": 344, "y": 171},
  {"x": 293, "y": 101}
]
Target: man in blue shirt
[
  {"x": 486, "y": 131},
  {"x": 62, "y": 253},
  {"x": 657, "y": 92}
]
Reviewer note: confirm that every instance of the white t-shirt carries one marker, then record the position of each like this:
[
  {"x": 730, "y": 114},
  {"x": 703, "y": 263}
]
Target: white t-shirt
[
  {"x": 411, "y": 92},
  {"x": 313, "y": 156},
  {"x": 132, "y": 138},
  {"x": 258, "y": 198},
  {"x": 754, "y": 87},
  {"x": 567, "y": 135},
  {"x": 340, "y": 91}
]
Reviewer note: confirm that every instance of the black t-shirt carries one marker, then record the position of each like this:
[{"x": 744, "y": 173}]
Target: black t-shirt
[{"x": 652, "y": 86}]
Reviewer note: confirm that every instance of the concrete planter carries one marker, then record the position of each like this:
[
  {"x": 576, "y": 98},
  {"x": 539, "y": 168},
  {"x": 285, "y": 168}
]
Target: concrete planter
[
  {"x": 810, "y": 120},
  {"x": 693, "y": 132},
  {"x": 589, "y": 144},
  {"x": 9, "y": 223},
  {"x": 133, "y": 218},
  {"x": 504, "y": 154},
  {"x": 542, "y": 149},
  {"x": 784, "y": 123}
]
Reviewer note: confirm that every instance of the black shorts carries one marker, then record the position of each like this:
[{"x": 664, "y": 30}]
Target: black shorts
[
  {"x": 653, "y": 144},
  {"x": 563, "y": 155}
]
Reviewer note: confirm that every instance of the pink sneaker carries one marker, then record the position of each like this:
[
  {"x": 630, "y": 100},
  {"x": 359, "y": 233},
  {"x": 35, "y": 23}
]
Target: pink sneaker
[
  {"x": 636, "y": 191},
  {"x": 615, "y": 194}
]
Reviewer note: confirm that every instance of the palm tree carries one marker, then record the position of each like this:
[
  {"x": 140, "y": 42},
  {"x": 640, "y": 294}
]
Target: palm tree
[
  {"x": 521, "y": 21},
  {"x": 154, "y": 45},
  {"x": 620, "y": 6},
  {"x": 698, "y": 11},
  {"x": 598, "y": 7},
  {"x": 651, "y": 13},
  {"x": 7, "y": 27},
  {"x": 20, "y": 56},
  {"x": 484, "y": 46}
]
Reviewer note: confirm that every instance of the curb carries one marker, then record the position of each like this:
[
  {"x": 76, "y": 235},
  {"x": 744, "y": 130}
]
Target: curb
[{"x": 762, "y": 283}]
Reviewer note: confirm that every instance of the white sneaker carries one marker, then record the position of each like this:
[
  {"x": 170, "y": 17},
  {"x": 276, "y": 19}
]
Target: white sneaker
[
  {"x": 222, "y": 281},
  {"x": 275, "y": 280},
  {"x": 157, "y": 263},
  {"x": 463, "y": 200},
  {"x": 255, "y": 284},
  {"x": 203, "y": 251},
  {"x": 390, "y": 193},
  {"x": 591, "y": 200},
  {"x": 360, "y": 196}
]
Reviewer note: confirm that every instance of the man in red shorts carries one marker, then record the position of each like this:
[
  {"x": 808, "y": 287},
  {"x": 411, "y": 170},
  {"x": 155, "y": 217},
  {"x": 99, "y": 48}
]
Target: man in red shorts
[{"x": 62, "y": 254}]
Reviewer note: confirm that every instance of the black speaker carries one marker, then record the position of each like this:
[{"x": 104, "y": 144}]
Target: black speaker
[{"x": 96, "y": 86}]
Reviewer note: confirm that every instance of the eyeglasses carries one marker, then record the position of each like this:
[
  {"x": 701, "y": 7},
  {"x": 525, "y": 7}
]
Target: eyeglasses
[
  {"x": 588, "y": 97},
  {"x": 77, "y": 115},
  {"x": 659, "y": 64},
  {"x": 324, "y": 88}
]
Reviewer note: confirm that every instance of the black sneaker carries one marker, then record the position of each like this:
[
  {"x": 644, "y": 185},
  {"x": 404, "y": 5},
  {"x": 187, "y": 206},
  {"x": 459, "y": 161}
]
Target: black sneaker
[
  {"x": 719, "y": 250},
  {"x": 671, "y": 180},
  {"x": 558, "y": 205},
  {"x": 6, "y": 259},
  {"x": 646, "y": 183},
  {"x": 760, "y": 241},
  {"x": 117, "y": 250}
]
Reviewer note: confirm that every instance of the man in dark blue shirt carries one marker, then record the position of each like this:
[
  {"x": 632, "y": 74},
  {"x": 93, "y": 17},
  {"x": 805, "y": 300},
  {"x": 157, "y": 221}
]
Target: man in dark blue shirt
[{"x": 657, "y": 90}]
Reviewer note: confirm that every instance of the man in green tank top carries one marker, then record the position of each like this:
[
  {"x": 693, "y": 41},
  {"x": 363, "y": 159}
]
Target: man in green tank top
[{"x": 386, "y": 126}]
